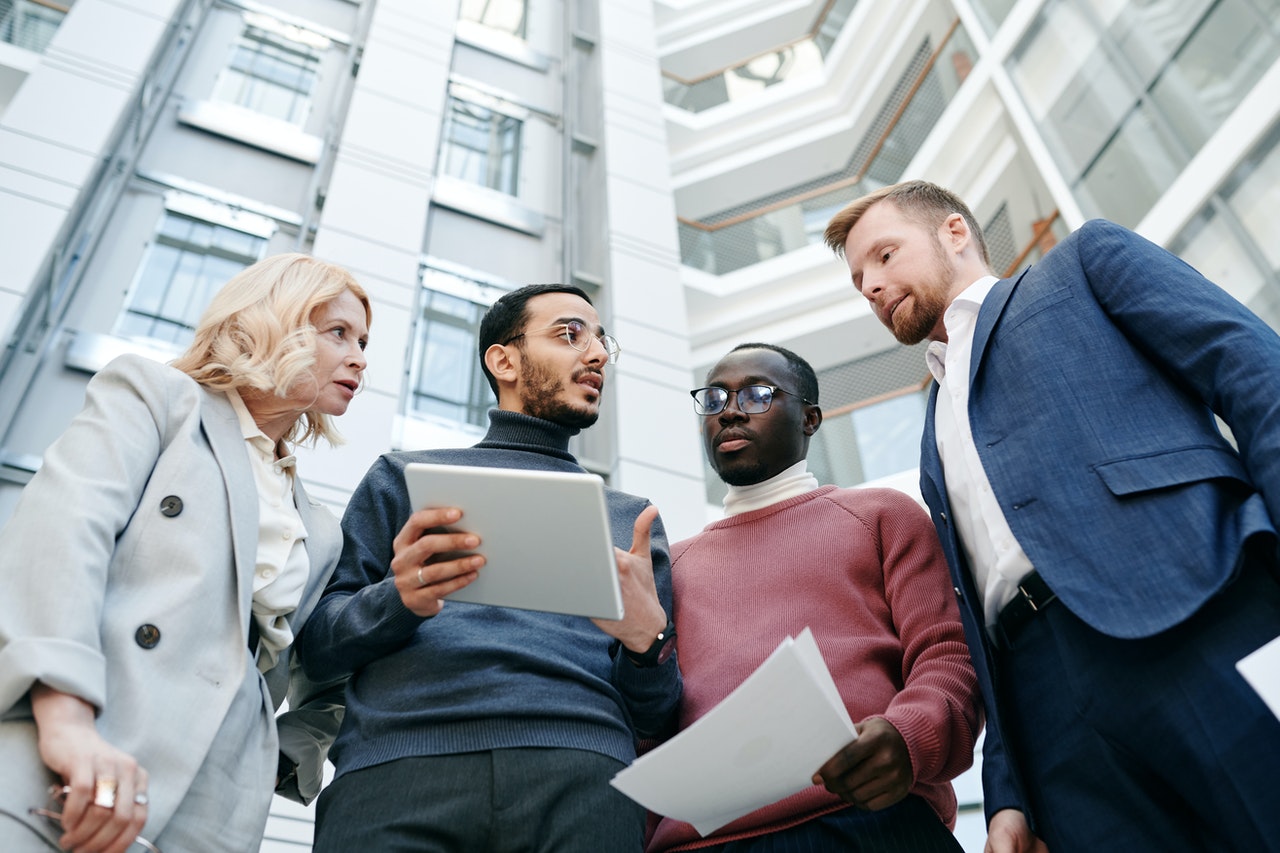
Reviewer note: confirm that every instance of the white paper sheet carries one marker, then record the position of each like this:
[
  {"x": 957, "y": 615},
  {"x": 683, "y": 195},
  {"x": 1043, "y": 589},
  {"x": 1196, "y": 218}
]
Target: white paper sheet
[
  {"x": 1261, "y": 669},
  {"x": 763, "y": 742}
]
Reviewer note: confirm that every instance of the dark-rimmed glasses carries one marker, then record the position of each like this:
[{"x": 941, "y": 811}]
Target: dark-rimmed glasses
[
  {"x": 751, "y": 399},
  {"x": 53, "y": 814},
  {"x": 579, "y": 337}
]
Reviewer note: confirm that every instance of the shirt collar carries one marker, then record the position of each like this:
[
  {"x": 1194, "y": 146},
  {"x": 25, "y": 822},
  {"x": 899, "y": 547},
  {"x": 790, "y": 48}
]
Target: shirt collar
[
  {"x": 276, "y": 453},
  {"x": 963, "y": 309}
]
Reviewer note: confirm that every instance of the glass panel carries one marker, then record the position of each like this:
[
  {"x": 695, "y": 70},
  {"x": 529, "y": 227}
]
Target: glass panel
[
  {"x": 1127, "y": 92},
  {"x": 448, "y": 381},
  {"x": 888, "y": 435},
  {"x": 482, "y": 146},
  {"x": 1147, "y": 33},
  {"x": 1226, "y": 54},
  {"x": 505, "y": 15},
  {"x": 1211, "y": 246},
  {"x": 1138, "y": 164},
  {"x": 1071, "y": 85},
  {"x": 183, "y": 267},
  {"x": 28, "y": 25},
  {"x": 992, "y": 13},
  {"x": 1253, "y": 193},
  {"x": 271, "y": 75}
]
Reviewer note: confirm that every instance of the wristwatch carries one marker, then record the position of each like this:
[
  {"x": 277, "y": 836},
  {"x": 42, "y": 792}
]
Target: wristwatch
[{"x": 658, "y": 653}]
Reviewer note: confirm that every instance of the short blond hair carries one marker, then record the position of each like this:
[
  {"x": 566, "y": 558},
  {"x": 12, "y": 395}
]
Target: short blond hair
[
  {"x": 923, "y": 202},
  {"x": 257, "y": 332}
]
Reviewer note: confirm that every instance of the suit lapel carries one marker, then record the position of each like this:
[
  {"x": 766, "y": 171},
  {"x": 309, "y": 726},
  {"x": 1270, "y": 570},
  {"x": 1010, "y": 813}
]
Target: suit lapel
[
  {"x": 222, "y": 429},
  {"x": 992, "y": 307},
  {"x": 321, "y": 552}
]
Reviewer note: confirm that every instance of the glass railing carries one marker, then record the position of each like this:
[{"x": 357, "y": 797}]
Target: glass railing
[
  {"x": 779, "y": 64},
  {"x": 30, "y": 24},
  {"x": 753, "y": 233}
]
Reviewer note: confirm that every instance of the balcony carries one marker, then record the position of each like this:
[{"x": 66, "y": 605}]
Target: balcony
[
  {"x": 764, "y": 228},
  {"x": 784, "y": 62}
]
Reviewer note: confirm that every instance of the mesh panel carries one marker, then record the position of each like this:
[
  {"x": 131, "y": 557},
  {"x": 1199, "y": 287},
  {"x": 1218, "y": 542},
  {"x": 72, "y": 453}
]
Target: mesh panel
[
  {"x": 872, "y": 376},
  {"x": 999, "y": 236}
]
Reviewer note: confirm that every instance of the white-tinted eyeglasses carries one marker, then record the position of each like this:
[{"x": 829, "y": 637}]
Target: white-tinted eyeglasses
[
  {"x": 751, "y": 399},
  {"x": 579, "y": 337}
]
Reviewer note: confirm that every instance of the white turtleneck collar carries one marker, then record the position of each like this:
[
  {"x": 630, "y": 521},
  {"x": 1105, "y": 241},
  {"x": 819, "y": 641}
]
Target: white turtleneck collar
[{"x": 793, "y": 481}]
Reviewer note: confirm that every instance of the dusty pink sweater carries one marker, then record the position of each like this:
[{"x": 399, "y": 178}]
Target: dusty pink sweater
[{"x": 862, "y": 568}]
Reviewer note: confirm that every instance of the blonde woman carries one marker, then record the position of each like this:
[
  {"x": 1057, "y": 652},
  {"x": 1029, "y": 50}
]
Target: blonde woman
[{"x": 156, "y": 570}]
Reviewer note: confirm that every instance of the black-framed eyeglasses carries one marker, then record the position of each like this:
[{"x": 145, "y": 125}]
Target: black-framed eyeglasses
[
  {"x": 751, "y": 399},
  {"x": 53, "y": 814},
  {"x": 579, "y": 337}
]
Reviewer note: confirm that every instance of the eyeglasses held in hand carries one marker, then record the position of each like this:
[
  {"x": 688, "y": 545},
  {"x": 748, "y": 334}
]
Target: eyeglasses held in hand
[
  {"x": 58, "y": 796},
  {"x": 751, "y": 399},
  {"x": 579, "y": 337}
]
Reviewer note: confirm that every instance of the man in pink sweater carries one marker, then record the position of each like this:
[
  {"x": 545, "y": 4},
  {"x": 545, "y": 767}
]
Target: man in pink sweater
[{"x": 863, "y": 569}]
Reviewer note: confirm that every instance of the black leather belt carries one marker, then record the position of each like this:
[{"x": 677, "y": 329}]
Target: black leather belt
[{"x": 1033, "y": 596}]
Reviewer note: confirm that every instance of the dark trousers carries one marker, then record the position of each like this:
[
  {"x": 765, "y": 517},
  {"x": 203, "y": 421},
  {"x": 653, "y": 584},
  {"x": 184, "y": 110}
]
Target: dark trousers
[
  {"x": 910, "y": 826},
  {"x": 503, "y": 801},
  {"x": 1155, "y": 744}
]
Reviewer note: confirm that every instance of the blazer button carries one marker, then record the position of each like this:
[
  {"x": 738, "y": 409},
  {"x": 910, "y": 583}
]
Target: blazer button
[
  {"x": 171, "y": 506},
  {"x": 148, "y": 636}
]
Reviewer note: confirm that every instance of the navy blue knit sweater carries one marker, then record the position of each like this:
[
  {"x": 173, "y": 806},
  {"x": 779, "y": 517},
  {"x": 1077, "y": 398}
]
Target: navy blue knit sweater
[{"x": 475, "y": 677}]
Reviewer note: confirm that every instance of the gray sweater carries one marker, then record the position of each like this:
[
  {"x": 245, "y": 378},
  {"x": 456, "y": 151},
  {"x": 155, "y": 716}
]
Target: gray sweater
[{"x": 476, "y": 677}]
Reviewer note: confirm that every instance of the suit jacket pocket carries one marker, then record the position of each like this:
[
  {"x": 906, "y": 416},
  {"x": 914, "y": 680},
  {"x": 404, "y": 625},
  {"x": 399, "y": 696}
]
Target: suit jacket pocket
[{"x": 1171, "y": 468}]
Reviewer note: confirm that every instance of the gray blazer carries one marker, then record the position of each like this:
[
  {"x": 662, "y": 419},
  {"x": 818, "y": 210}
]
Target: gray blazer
[{"x": 127, "y": 578}]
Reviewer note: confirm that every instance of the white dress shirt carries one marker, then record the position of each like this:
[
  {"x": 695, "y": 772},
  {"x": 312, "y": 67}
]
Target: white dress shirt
[
  {"x": 995, "y": 558},
  {"x": 282, "y": 567}
]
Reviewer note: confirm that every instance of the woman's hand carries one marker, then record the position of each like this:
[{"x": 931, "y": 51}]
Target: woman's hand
[{"x": 105, "y": 806}]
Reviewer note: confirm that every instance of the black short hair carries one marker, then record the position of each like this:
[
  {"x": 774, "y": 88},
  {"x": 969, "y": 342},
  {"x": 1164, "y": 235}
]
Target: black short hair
[
  {"x": 506, "y": 318},
  {"x": 801, "y": 370}
]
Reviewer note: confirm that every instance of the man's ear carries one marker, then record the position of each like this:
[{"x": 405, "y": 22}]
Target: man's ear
[
  {"x": 956, "y": 233},
  {"x": 812, "y": 419},
  {"x": 502, "y": 364}
]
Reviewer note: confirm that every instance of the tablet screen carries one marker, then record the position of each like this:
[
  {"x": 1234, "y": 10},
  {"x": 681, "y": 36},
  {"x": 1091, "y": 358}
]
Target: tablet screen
[{"x": 544, "y": 535}]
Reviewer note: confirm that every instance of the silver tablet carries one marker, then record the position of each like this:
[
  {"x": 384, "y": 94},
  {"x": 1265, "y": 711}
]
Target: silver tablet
[{"x": 544, "y": 535}]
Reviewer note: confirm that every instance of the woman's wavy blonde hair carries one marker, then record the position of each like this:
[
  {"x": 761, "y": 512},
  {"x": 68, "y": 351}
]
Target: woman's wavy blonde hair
[{"x": 257, "y": 333}]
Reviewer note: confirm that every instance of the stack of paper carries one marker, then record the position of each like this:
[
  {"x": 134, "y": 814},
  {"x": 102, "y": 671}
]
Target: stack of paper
[
  {"x": 762, "y": 743},
  {"x": 1262, "y": 670}
]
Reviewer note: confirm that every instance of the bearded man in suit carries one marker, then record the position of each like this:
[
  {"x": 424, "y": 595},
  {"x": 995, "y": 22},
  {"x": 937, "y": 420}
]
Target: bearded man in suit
[{"x": 1115, "y": 555}]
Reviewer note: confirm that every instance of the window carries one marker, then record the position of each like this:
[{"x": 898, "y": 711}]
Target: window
[
  {"x": 272, "y": 70},
  {"x": 189, "y": 260},
  {"x": 481, "y": 145},
  {"x": 447, "y": 379},
  {"x": 30, "y": 25},
  {"x": 505, "y": 15}
]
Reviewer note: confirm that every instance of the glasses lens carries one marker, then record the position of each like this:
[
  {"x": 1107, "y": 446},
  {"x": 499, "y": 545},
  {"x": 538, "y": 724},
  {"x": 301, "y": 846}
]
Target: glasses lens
[
  {"x": 611, "y": 347},
  {"x": 709, "y": 401},
  {"x": 576, "y": 334},
  {"x": 755, "y": 399}
]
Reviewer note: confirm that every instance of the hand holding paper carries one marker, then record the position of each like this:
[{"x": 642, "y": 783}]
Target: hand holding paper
[
  {"x": 874, "y": 771},
  {"x": 762, "y": 743}
]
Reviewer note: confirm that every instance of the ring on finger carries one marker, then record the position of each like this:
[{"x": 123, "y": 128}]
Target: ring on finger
[
  {"x": 421, "y": 580},
  {"x": 141, "y": 798},
  {"x": 104, "y": 792}
]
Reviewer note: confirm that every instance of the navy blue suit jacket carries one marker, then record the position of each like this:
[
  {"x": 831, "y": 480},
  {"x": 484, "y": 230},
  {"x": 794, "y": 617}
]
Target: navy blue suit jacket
[{"x": 1094, "y": 379}]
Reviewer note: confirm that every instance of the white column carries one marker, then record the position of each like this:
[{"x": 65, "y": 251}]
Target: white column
[{"x": 660, "y": 454}]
